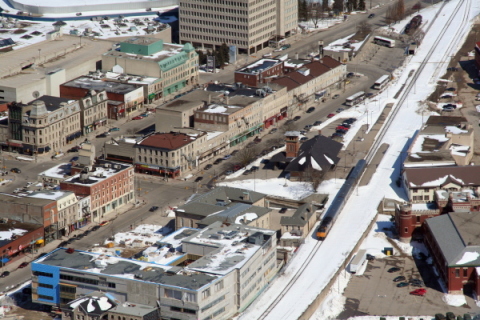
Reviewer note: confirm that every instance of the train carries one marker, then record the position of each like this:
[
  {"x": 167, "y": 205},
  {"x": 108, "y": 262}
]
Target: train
[
  {"x": 340, "y": 199},
  {"x": 413, "y": 24}
]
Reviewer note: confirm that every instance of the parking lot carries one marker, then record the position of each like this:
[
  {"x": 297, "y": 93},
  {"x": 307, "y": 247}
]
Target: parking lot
[{"x": 376, "y": 293}]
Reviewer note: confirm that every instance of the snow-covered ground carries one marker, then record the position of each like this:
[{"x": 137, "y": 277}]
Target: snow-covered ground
[{"x": 352, "y": 221}]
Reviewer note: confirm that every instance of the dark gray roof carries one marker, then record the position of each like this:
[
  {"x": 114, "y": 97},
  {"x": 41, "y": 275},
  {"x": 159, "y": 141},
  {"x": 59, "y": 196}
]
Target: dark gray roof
[
  {"x": 231, "y": 213},
  {"x": 6, "y": 42},
  {"x": 456, "y": 234},
  {"x": 300, "y": 217},
  {"x": 320, "y": 149},
  {"x": 52, "y": 103},
  {"x": 83, "y": 261},
  {"x": 463, "y": 175},
  {"x": 219, "y": 199}
]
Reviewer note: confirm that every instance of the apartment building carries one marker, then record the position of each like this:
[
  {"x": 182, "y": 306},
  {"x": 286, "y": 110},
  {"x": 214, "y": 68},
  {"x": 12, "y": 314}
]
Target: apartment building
[
  {"x": 174, "y": 66},
  {"x": 93, "y": 108},
  {"x": 129, "y": 95},
  {"x": 67, "y": 208},
  {"x": 45, "y": 124},
  {"x": 227, "y": 266},
  {"x": 247, "y": 25},
  {"x": 168, "y": 154},
  {"x": 109, "y": 185}
]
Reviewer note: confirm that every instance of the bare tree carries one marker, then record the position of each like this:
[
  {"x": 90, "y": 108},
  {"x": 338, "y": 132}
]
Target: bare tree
[
  {"x": 316, "y": 16},
  {"x": 313, "y": 176},
  {"x": 363, "y": 29},
  {"x": 291, "y": 126},
  {"x": 246, "y": 155}
]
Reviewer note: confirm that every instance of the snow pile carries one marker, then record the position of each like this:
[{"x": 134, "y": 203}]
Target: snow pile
[
  {"x": 468, "y": 257},
  {"x": 276, "y": 187},
  {"x": 455, "y": 300}
]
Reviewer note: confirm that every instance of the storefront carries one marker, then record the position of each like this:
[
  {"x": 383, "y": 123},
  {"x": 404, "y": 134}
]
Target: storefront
[
  {"x": 157, "y": 170},
  {"x": 246, "y": 134}
]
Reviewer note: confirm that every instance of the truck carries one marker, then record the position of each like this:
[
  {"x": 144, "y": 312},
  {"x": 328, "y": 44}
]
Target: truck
[{"x": 358, "y": 261}]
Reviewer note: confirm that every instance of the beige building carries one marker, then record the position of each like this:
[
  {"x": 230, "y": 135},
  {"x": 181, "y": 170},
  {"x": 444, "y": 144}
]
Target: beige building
[
  {"x": 93, "y": 111},
  {"x": 168, "y": 154},
  {"x": 48, "y": 123},
  {"x": 67, "y": 208},
  {"x": 175, "y": 65},
  {"x": 247, "y": 25},
  {"x": 40, "y": 68},
  {"x": 443, "y": 141}
]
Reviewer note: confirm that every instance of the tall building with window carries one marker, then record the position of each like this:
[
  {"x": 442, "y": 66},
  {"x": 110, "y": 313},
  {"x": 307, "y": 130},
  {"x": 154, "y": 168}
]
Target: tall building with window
[{"x": 246, "y": 24}]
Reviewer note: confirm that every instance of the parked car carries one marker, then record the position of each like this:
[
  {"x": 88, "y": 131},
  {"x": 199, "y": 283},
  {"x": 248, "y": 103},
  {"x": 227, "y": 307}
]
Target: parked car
[
  {"x": 350, "y": 120},
  {"x": 5, "y": 274},
  {"x": 283, "y": 210},
  {"x": 371, "y": 15},
  {"x": 336, "y": 96},
  {"x": 308, "y": 127},
  {"x": 448, "y": 109},
  {"x": 16, "y": 170},
  {"x": 73, "y": 149},
  {"x": 104, "y": 223},
  {"x": 228, "y": 156},
  {"x": 449, "y": 105},
  {"x": 254, "y": 168},
  {"x": 450, "y": 316},
  {"x": 273, "y": 130},
  {"x": 339, "y": 110},
  {"x": 302, "y": 139},
  {"x": 199, "y": 179},
  {"x": 451, "y": 89},
  {"x": 297, "y": 118},
  {"x": 74, "y": 159},
  {"x": 394, "y": 269},
  {"x": 154, "y": 208},
  {"x": 341, "y": 131},
  {"x": 399, "y": 278},
  {"x": 23, "y": 265},
  {"x": 350, "y": 75},
  {"x": 137, "y": 118},
  {"x": 369, "y": 94},
  {"x": 114, "y": 129},
  {"x": 342, "y": 128},
  {"x": 95, "y": 228},
  {"x": 310, "y": 110},
  {"x": 346, "y": 125},
  {"x": 402, "y": 284},
  {"x": 144, "y": 115},
  {"x": 228, "y": 172},
  {"x": 331, "y": 115},
  {"x": 247, "y": 172},
  {"x": 317, "y": 123},
  {"x": 218, "y": 161},
  {"x": 101, "y": 135},
  {"x": 370, "y": 257},
  {"x": 337, "y": 134},
  {"x": 419, "y": 292},
  {"x": 208, "y": 167}
]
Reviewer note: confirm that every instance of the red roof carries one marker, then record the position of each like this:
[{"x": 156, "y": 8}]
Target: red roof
[
  {"x": 168, "y": 141},
  {"x": 330, "y": 62}
]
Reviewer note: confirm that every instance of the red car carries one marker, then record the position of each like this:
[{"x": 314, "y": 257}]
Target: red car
[
  {"x": 137, "y": 118},
  {"x": 342, "y": 128},
  {"x": 419, "y": 292},
  {"x": 23, "y": 265},
  {"x": 331, "y": 115}
]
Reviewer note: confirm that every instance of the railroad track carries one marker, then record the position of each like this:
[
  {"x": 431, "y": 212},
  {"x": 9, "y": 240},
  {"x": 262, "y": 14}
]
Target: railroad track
[{"x": 373, "y": 149}]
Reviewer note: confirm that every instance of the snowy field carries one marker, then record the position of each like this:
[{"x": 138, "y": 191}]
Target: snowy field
[{"x": 352, "y": 221}]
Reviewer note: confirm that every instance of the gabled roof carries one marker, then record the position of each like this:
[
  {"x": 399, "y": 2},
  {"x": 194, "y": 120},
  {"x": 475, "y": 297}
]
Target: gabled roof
[
  {"x": 330, "y": 62},
  {"x": 456, "y": 234},
  {"x": 319, "y": 153},
  {"x": 436, "y": 176},
  {"x": 317, "y": 68},
  {"x": 300, "y": 217}
]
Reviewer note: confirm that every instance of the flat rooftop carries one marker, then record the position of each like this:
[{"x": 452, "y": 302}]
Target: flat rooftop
[
  {"x": 235, "y": 244},
  {"x": 101, "y": 171},
  {"x": 167, "y": 141},
  {"x": 96, "y": 264},
  {"x": 52, "y": 195},
  {"x": 12, "y": 75},
  {"x": 90, "y": 83},
  {"x": 131, "y": 78},
  {"x": 168, "y": 50},
  {"x": 259, "y": 66},
  {"x": 11, "y": 230},
  {"x": 58, "y": 172},
  {"x": 220, "y": 109}
]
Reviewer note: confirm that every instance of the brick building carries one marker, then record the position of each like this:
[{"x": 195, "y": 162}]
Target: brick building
[
  {"x": 131, "y": 96},
  {"x": 110, "y": 185},
  {"x": 259, "y": 72},
  {"x": 34, "y": 211},
  {"x": 24, "y": 239},
  {"x": 452, "y": 240},
  {"x": 436, "y": 191}
]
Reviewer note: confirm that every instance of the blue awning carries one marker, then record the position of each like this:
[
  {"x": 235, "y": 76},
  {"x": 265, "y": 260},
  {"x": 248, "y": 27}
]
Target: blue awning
[
  {"x": 5, "y": 260},
  {"x": 78, "y": 134},
  {"x": 47, "y": 148}
]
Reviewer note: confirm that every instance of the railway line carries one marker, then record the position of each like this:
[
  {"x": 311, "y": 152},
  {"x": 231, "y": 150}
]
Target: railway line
[{"x": 378, "y": 141}]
